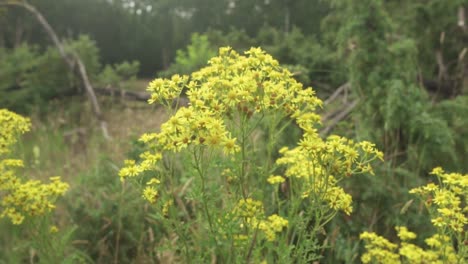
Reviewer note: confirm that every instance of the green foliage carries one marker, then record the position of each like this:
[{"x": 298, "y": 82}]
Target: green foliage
[
  {"x": 109, "y": 77},
  {"x": 127, "y": 70},
  {"x": 303, "y": 55},
  {"x": 434, "y": 138},
  {"x": 110, "y": 217},
  {"x": 87, "y": 51},
  {"x": 15, "y": 69},
  {"x": 118, "y": 75},
  {"x": 197, "y": 54},
  {"x": 303, "y": 51},
  {"x": 235, "y": 38},
  {"x": 452, "y": 114},
  {"x": 383, "y": 69},
  {"x": 434, "y": 27},
  {"x": 395, "y": 112},
  {"x": 30, "y": 78}
]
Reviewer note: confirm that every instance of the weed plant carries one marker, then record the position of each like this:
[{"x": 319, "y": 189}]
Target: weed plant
[{"x": 223, "y": 186}]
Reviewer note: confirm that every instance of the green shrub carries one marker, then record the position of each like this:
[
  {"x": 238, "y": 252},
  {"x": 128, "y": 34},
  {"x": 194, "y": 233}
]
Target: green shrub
[
  {"x": 29, "y": 78},
  {"x": 197, "y": 54},
  {"x": 118, "y": 75}
]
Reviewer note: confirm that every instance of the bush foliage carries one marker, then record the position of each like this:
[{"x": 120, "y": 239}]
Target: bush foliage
[{"x": 31, "y": 77}]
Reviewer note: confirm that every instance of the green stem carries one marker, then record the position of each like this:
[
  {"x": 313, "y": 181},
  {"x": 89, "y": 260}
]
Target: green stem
[
  {"x": 243, "y": 161},
  {"x": 177, "y": 224},
  {"x": 199, "y": 168}
]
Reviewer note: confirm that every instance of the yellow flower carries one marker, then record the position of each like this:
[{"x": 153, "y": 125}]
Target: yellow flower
[
  {"x": 447, "y": 199},
  {"x": 274, "y": 224},
  {"x": 12, "y": 125},
  {"x": 438, "y": 222},
  {"x": 153, "y": 181},
  {"x": 274, "y": 179},
  {"x": 378, "y": 249},
  {"x": 130, "y": 171},
  {"x": 249, "y": 208},
  {"x": 166, "y": 206},
  {"x": 230, "y": 146},
  {"x": 404, "y": 234},
  {"x": 53, "y": 229},
  {"x": 150, "y": 194},
  {"x": 447, "y": 216},
  {"x": 437, "y": 171},
  {"x": 339, "y": 200},
  {"x": 214, "y": 139}
]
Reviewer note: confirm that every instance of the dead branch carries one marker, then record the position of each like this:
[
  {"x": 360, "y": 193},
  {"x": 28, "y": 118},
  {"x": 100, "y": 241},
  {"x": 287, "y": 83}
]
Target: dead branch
[
  {"x": 337, "y": 92},
  {"x": 462, "y": 18},
  {"x": 92, "y": 97},
  {"x": 70, "y": 59},
  {"x": 342, "y": 89},
  {"x": 326, "y": 116},
  {"x": 340, "y": 116}
]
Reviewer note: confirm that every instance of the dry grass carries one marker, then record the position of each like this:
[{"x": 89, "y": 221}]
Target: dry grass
[
  {"x": 70, "y": 141},
  {"x": 140, "y": 84}
]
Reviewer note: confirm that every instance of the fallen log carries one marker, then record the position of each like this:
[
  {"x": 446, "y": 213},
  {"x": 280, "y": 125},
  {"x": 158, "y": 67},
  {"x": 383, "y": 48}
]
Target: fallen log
[{"x": 124, "y": 94}]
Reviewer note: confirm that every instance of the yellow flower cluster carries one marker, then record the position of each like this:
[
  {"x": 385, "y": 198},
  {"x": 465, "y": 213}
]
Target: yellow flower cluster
[
  {"x": 231, "y": 86},
  {"x": 404, "y": 234},
  {"x": 234, "y": 89},
  {"x": 131, "y": 169},
  {"x": 446, "y": 202},
  {"x": 165, "y": 209},
  {"x": 272, "y": 225},
  {"x": 150, "y": 193},
  {"x": 250, "y": 84},
  {"x": 53, "y": 229},
  {"x": 320, "y": 165},
  {"x": 380, "y": 250},
  {"x": 12, "y": 125},
  {"x": 249, "y": 208},
  {"x": 189, "y": 127},
  {"x": 275, "y": 179},
  {"x": 18, "y": 197},
  {"x": 447, "y": 207},
  {"x": 163, "y": 90},
  {"x": 251, "y": 212}
]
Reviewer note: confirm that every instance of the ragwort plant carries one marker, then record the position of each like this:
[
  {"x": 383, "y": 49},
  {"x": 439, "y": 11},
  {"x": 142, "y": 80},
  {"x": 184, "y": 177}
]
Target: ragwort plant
[
  {"x": 20, "y": 198},
  {"x": 446, "y": 204},
  {"x": 225, "y": 189},
  {"x": 27, "y": 202}
]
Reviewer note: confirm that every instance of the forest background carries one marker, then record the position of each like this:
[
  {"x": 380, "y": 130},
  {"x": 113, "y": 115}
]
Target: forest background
[{"x": 391, "y": 72}]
